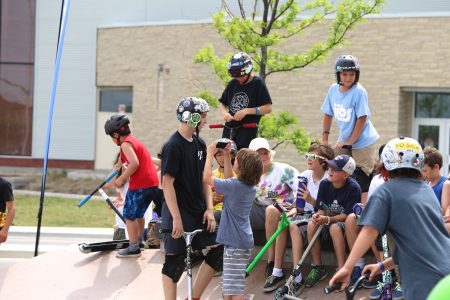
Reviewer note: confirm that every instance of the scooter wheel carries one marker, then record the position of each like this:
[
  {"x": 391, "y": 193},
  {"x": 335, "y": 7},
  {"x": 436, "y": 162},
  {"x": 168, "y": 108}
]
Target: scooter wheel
[
  {"x": 84, "y": 248},
  {"x": 279, "y": 293}
]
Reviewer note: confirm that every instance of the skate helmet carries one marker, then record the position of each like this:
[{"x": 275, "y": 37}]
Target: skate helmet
[
  {"x": 240, "y": 65},
  {"x": 233, "y": 147},
  {"x": 346, "y": 63},
  {"x": 402, "y": 152},
  {"x": 189, "y": 110},
  {"x": 117, "y": 124}
]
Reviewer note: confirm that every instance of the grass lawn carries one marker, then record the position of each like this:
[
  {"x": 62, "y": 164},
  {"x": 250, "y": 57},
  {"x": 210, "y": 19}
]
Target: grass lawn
[{"x": 59, "y": 212}]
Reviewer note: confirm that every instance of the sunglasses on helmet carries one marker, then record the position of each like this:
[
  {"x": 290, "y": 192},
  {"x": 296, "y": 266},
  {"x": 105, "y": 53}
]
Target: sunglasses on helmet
[{"x": 312, "y": 156}]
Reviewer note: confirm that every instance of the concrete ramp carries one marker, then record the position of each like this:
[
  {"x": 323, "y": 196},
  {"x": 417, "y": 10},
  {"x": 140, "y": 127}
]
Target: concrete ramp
[{"x": 70, "y": 274}]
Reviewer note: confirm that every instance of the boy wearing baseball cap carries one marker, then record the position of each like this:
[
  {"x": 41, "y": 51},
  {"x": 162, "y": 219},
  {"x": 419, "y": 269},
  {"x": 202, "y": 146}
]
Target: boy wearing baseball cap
[{"x": 335, "y": 200}]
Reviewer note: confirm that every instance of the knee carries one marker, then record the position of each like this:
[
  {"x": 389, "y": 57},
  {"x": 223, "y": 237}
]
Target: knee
[
  {"x": 350, "y": 221},
  {"x": 173, "y": 267},
  {"x": 214, "y": 258},
  {"x": 335, "y": 230}
]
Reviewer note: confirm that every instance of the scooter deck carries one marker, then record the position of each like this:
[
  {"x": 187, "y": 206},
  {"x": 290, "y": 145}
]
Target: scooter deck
[{"x": 104, "y": 246}]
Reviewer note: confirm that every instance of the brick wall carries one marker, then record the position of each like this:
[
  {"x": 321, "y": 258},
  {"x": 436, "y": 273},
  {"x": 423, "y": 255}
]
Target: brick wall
[{"x": 393, "y": 53}]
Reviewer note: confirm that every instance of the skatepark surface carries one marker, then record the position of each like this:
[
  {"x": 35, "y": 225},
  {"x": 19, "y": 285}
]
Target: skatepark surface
[{"x": 70, "y": 274}]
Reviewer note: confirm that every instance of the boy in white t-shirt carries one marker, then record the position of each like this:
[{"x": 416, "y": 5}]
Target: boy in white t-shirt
[{"x": 315, "y": 173}]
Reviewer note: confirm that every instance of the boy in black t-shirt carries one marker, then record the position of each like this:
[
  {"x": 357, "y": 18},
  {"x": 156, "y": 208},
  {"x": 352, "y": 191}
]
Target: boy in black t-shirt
[
  {"x": 244, "y": 100},
  {"x": 6, "y": 204},
  {"x": 338, "y": 194},
  {"x": 188, "y": 203}
]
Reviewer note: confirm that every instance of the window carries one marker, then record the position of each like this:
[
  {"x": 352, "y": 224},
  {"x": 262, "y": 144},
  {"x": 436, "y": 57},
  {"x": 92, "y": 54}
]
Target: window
[
  {"x": 432, "y": 105},
  {"x": 17, "y": 27},
  {"x": 112, "y": 99}
]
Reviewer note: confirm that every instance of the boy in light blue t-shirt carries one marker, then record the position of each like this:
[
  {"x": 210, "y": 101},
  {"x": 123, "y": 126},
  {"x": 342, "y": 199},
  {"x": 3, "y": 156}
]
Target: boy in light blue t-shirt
[
  {"x": 235, "y": 232},
  {"x": 347, "y": 102}
]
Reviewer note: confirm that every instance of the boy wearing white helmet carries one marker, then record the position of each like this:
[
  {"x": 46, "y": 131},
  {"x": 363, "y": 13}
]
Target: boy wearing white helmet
[{"x": 406, "y": 207}]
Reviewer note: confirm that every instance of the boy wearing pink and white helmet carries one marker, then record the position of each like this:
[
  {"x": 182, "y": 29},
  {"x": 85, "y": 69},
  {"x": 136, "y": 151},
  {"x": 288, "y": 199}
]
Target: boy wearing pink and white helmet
[{"x": 406, "y": 207}]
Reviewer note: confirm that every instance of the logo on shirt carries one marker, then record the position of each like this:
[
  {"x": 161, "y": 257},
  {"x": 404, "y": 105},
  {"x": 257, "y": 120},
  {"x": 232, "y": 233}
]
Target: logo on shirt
[
  {"x": 239, "y": 102},
  {"x": 200, "y": 154},
  {"x": 335, "y": 208},
  {"x": 341, "y": 113}
]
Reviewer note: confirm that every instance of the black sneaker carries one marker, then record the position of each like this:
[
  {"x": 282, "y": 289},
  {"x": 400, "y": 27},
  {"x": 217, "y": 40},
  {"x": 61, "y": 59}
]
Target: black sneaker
[
  {"x": 295, "y": 288},
  {"x": 272, "y": 283},
  {"x": 127, "y": 253},
  {"x": 372, "y": 284},
  {"x": 269, "y": 269},
  {"x": 315, "y": 276}
]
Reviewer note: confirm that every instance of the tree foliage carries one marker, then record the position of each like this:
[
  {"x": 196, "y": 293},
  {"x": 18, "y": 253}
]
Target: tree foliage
[{"x": 261, "y": 31}]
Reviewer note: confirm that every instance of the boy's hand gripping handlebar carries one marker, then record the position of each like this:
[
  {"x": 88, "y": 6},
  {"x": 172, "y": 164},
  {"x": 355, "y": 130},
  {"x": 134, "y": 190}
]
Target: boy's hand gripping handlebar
[{"x": 105, "y": 181}]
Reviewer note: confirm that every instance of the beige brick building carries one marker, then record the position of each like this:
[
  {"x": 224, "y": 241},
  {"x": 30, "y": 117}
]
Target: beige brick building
[{"x": 400, "y": 57}]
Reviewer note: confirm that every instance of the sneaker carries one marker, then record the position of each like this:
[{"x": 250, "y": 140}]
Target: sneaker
[
  {"x": 315, "y": 276},
  {"x": 295, "y": 288},
  {"x": 356, "y": 273},
  {"x": 397, "y": 293},
  {"x": 372, "y": 284},
  {"x": 269, "y": 269},
  {"x": 127, "y": 253},
  {"x": 272, "y": 283},
  {"x": 376, "y": 293}
]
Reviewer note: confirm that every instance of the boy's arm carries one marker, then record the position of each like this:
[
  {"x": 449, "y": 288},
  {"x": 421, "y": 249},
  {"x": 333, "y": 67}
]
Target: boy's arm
[
  {"x": 226, "y": 115},
  {"x": 445, "y": 198},
  {"x": 359, "y": 125},
  {"x": 11, "y": 212},
  {"x": 367, "y": 236},
  {"x": 326, "y": 127},
  {"x": 259, "y": 110},
  {"x": 156, "y": 162},
  {"x": 227, "y": 168},
  {"x": 133, "y": 163},
  {"x": 207, "y": 171},
  {"x": 171, "y": 200}
]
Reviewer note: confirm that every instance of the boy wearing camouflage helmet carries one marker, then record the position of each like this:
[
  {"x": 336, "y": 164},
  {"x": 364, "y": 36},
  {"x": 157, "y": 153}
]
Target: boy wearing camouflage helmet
[{"x": 188, "y": 204}]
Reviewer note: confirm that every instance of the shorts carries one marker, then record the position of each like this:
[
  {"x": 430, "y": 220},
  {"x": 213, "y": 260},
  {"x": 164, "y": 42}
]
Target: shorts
[
  {"x": 325, "y": 234},
  {"x": 190, "y": 223},
  {"x": 365, "y": 158},
  {"x": 235, "y": 262},
  {"x": 258, "y": 217},
  {"x": 137, "y": 202}
]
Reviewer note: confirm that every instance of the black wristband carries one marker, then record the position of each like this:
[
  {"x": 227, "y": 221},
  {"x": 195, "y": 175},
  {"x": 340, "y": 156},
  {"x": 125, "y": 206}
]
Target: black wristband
[{"x": 326, "y": 132}]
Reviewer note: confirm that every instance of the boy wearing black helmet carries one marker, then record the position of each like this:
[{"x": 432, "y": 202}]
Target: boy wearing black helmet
[
  {"x": 244, "y": 100},
  {"x": 188, "y": 204},
  {"x": 347, "y": 102},
  {"x": 142, "y": 176}
]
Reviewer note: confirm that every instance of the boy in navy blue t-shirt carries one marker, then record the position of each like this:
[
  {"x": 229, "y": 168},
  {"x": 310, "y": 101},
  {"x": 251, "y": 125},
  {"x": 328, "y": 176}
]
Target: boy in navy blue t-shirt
[{"x": 335, "y": 200}]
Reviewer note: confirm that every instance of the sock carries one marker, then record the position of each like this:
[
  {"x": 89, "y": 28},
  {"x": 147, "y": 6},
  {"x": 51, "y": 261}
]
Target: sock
[
  {"x": 299, "y": 278},
  {"x": 133, "y": 246},
  {"x": 277, "y": 272},
  {"x": 361, "y": 262}
]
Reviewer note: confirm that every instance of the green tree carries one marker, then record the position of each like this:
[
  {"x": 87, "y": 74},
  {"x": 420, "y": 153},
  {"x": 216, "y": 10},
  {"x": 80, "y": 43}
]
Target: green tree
[{"x": 271, "y": 23}]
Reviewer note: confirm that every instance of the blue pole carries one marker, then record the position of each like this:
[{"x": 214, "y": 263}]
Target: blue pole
[{"x": 62, "y": 32}]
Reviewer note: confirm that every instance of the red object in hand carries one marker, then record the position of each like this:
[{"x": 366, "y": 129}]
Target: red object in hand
[{"x": 213, "y": 189}]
